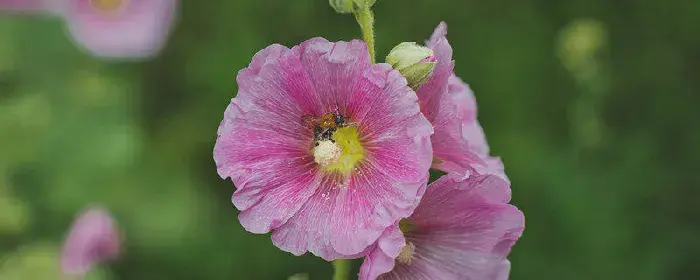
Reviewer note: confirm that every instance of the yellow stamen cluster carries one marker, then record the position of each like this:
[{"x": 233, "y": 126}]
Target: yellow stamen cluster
[{"x": 348, "y": 142}]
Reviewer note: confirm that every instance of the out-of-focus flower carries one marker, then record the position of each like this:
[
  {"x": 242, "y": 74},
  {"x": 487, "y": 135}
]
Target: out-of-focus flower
[
  {"x": 23, "y": 5},
  {"x": 119, "y": 29},
  {"x": 415, "y": 62},
  {"x": 321, "y": 94},
  {"x": 459, "y": 144},
  {"x": 93, "y": 238},
  {"x": 462, "y": 229}
]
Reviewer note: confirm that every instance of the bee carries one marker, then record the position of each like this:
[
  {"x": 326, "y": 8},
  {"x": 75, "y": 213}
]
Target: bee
[{"x": 324, "y": 126}]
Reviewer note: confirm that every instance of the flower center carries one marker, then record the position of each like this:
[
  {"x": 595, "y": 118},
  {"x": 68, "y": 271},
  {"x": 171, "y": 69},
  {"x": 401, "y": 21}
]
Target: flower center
[
  {"x": 406, "y": 254},
  {"x": 108, "y": 6},
  {"x": 342, "y": 153}
]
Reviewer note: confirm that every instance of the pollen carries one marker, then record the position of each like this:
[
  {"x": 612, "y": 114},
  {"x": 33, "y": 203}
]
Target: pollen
[
  {"x": 352, "y": 152},
  {"x": 327, "y": 152},
  {"x": 406, "y": 254}
]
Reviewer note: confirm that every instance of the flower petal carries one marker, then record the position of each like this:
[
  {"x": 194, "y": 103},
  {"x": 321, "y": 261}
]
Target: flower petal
[
  {"x": 333, "y": 69},
  {"x": 503, "y": 271},
  {"x": 459, "y": 142},
  {"x": 24, "y": 5},
  {"x": 430, "y": 93},
  {"x": 382, "y": 256},
  {"x": 262, "y": 144}
]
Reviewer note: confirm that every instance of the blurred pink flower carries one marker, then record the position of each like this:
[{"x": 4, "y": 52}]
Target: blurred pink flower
[
  {"x": 286, "y": 184},
  {"x": 23, "y": 5},
  {"x": 459, "y": 144},
  {"x": 119, "y": 29},
  {"x": 93, "y": 238},
  {"x": 463, "y": 229}
]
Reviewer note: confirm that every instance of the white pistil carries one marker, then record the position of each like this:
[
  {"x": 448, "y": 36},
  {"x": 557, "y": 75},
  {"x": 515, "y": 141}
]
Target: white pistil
[
  {"x": 406, "y": 254},
  {"x": 327, "y": 152}
]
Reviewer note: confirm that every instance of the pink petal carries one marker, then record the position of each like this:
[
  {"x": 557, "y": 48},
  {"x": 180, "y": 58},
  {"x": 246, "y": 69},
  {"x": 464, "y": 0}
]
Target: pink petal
[
  {"x": 438, "y": 34},
  {"x": 459, "y": 143},
  {"x": 431, "y": 93},
  {"x": 473, "y": 211},
  {"x": 333, "y": 69},
  {"x": 138, "y": 31},
  {"x": 24, "y": 5},
  {"x": 503, "y": 271},
  {"x": 262, "y": 144},
  {"x": 382, "y": 256},
  {"x": 93, "y": 238}
]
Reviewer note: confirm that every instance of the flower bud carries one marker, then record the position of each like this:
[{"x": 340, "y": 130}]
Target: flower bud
[
  {"x": 342, "y": 6},
  {"x": 363, "y": 3},
  {"x": 350, "y": 6},
  {"x": 415, "y": 62}
]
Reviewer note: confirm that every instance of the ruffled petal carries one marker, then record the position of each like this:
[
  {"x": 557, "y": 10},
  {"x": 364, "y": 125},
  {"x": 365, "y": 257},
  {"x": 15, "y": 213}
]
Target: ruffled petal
[
  {"x": 459, "y": 143},
  {"x": 263, "y": 146},
  {"x": 381, "y": 257},
  {"x": 503, "y": 271},
  {"x": 431, "y": 93}
]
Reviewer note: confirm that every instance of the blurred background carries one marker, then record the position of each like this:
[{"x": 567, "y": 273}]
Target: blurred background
[{"x": 592, "y": 105}]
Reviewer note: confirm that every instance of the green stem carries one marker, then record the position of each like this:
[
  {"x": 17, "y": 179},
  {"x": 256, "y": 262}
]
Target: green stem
[
  {"x": 365, "y": 18},
  {"x": 341, "y": 269}
]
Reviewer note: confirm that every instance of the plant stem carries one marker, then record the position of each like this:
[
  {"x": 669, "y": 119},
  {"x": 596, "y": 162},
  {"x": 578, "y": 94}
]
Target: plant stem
[
  {"x": 341, "y": 269},
  {"x": 365, "y": 18}
]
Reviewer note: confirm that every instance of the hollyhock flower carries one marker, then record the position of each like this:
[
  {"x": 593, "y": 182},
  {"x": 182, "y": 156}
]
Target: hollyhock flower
[
  {"x": 324, "y": 148},
  {"x": 23, "y": 5},
  {"x": 462, "y": 229},
  {"x": 459, "y": 144},
  {"x": 93, "y": 238},
  {"x": 120, "y": 28}
]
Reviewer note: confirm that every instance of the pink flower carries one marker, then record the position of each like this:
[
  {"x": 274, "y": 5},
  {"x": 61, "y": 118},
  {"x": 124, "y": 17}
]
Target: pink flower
[
  {"x": 93, "y": 238},
  {"x": 459, "y": 144},
  {"x": 22, "y": 5},
  {"x": 323, "y": 148},
  {"x": 463, "y": 229},
  {"x": 120, "y": 28}
]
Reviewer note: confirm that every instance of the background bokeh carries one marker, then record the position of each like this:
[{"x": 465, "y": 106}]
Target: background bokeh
[{"x": 592, "y": 104}]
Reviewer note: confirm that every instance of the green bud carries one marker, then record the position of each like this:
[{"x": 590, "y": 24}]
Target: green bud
[
  {"x": 342, "y": 6},
  {"x": 365, "y": 3},
  {"x": 415, "y": 62},
  {"x": 350, "y": 6}
]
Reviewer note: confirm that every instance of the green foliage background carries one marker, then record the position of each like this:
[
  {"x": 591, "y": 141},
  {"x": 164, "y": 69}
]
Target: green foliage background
[{"x": 592, "y": 104}]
